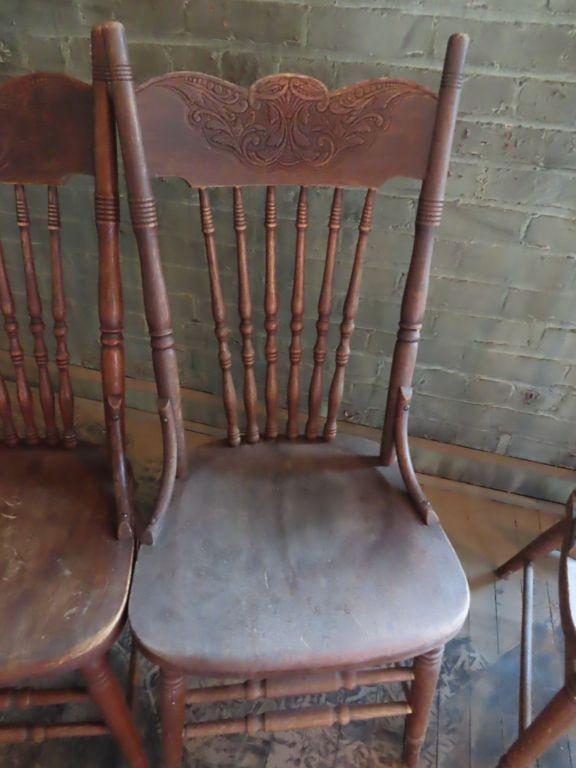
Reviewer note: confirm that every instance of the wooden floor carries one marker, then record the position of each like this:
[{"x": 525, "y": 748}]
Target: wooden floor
[{"x": 476, "y": 706}]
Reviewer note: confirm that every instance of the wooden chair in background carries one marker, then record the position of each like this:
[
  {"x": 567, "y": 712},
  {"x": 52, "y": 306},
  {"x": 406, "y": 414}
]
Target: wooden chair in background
[
  {"x": 538, "y": 734},
  {"x": 66, "y": 543},
  {"x": 301, "y": 563}
]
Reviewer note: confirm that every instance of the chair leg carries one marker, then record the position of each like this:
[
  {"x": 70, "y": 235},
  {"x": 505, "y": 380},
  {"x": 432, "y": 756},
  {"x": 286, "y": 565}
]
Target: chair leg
[
  {"x": 557, "y": 717},
  {"x": 426, "y": 672},
  {"x": 172, "y": 710},
  {"x": 106, "y": 693}
]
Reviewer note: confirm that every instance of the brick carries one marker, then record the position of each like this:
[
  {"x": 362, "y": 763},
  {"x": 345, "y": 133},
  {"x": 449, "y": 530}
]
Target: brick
[
  {"x": 482, "y": 223},
  {"x": 453, "y": 326},
  {"x": 261, "y": 22},
  {"x": 530, "y": 187},
  {"x": 370, "y": 32},
  {"x": 486, "y": 95},
  {"x": 533, "y": 268},
  {"x": 552, "y": 233},
  {"x": 547, "y": 101},
  {"x": 502, "y": 142},
  {"x": 516, "y": 46},
  {"x": 493, "y": 363},
  {"x": 523, "y": 447},
  {"x": 448, "y": 292},
  {"x": 489, "y": 391},
  {"x": 558, "y": 343},
  {"x": 538, "y": 305}
]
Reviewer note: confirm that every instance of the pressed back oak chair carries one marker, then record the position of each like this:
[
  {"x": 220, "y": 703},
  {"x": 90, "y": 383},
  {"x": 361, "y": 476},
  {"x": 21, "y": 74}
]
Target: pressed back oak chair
[
  {"x": 66, "y": 543},
  {"x": 538, "y": 734},
  {"x": 300, "y": 563}
]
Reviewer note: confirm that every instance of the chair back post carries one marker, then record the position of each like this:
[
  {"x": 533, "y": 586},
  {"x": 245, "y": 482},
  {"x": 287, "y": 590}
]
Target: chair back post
[
  {"x": 110, "y": 303},
  {"x": 430, "y": 205},
  {"x": 145, "y": 224},
  {"x": 566, "y": 614}
]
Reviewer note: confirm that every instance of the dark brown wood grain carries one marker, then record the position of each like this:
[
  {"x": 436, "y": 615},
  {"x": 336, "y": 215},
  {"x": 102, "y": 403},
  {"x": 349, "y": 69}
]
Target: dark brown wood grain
[
  {"x": 290, "y": 555},
  {"x": 349, "y": 314},
  {"x": 246, "y": 326},
  {"x": 37, "y": 326},
  {"x": 58, "y": 506},
  {"x": 271, "y": 316},
  {"x": 219, "y": 313},
  {"x": 16, "y": 353},
  {"x": 65, "y": 395},
  {"x": 214, "y": 133},
  {"x": 297, "y": 321},
  {"x": 323, "y": 322}
]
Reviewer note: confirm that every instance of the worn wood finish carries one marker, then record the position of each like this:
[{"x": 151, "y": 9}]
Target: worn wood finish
[
  {"x": 58, "y": 506},
  {"x": 172, "y": 701},
  {"x": 525, "y": 697},
  {"x": 37, "y": 326},
  {"x": 145, "y": 224},
  {"x": 349, "y": 313},
  {"x": 323, "y": 550},
  {"x": 297, "y": 321},
  {"x": 17, "y": 354},
  {"x": 10, "y": 434},
  {"x": 314, "y": 533},
  {"x": 428, "y": 217},
  {"x": 246, "y": 327},
  {"x": 271, "y": 311},
  {"x": 290, "y": 720},
  {"x": 107, "y": 694},
  {"x": 298, "y": 685},
  {"x": 426, "y": 671},
  {"x": 546, "y": 542},
  {"x": 221, "y": 134},
  {"x": 219, "y": 313},
  {"x": 65, "y": 395},
  {"x": 323, "y": 322},
  {"x": 57, "y": 531}
]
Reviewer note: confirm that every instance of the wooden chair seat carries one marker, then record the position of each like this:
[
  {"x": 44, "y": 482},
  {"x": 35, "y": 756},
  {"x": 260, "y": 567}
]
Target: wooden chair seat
[
  {"x": 64, "y": 577},
  {"x": 294, "y": 555}
]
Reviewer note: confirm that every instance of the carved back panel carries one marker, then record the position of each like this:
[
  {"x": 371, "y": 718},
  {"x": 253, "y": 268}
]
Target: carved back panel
[{"x": 284, "y": 130}]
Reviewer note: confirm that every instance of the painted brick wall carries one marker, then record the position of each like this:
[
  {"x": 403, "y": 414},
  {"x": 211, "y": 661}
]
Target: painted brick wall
[{"x": 498, "y": 362}]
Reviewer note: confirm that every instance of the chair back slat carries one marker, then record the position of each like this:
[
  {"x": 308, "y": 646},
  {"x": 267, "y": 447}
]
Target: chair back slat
[
  {"x": 271, "y": 316},
  {"x": 349, "y": 315},
  {"x": 65, "y": 394},
  {"x": 246, "y": 325},
  {"x": 10, "y": 434},
  {"x": 324, "y": 312},
  {"x": 219, "y": 313},
  {"x": 297, "y": 309},
  {"x": 37, "y": 326},
  {"x": 23, "y": 392}
]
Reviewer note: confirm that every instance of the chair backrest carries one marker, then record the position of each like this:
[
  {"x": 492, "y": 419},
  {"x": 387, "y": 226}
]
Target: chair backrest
[
  {"x": 55, "y": 127},
  {"x": 284, "y": 130}
]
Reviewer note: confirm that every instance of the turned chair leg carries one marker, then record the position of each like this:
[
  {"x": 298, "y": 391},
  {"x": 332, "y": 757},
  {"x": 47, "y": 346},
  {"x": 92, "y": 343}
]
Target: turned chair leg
[
  {"x": 106, "y": 693},
  {"x": 557, "y": 717},
  {"x": 426, "y": 672},
  {"x": 172, "y": 711}
]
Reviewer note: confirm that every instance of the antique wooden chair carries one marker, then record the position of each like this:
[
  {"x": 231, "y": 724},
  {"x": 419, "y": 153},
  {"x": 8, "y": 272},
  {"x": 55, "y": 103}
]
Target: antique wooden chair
[
  {"x": 66, "y": 538},
  {"x": 287, "y": 560},
  {"x": 559, "y": 715}
]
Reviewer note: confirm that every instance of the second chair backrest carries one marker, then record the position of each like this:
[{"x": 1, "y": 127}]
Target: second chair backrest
[
  {"x": 55, "y": 127},
  {"x": 284, "y": 130}
]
